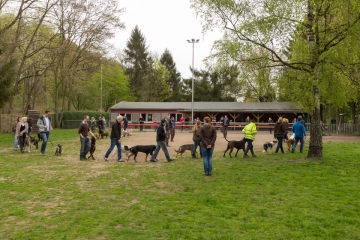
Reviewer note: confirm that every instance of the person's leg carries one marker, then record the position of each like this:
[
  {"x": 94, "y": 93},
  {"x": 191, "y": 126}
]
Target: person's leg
[
  {"x": 112, "y": 145},
  {"x": 301, "y": 145},
  {"x": 196, "y": 144},
  {"x": 118, "y": 145},
  {"x": 167, "y": 138},
  {"x": 87, "y": 147},
  {"x": 205, "y": 159},
  {"x": 45, "y": 139},
  {"x": 247, "y": 148},
  {"x": 295, "y": 143},
  {"x": 156, "y": 152},
  {"x": 280, "y": 144},
  {"x": 16, "y": 142},
  {"x": 163, "y": 147},
  {"x": 82, "y": 148},
  {"x": 210, "y": 152},
  {"x": 21, "y": 139},
  {"x": 172, "y": 133}
]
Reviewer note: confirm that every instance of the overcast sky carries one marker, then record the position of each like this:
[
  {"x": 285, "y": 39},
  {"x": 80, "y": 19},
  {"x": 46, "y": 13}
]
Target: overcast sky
[{"x": 167, "y": 24}]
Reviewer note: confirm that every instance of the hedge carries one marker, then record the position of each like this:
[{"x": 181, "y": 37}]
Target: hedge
[{"x": 72, "y": 119}]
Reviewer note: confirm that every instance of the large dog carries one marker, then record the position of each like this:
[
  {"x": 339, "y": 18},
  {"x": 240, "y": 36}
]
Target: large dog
[
  {"x": 124, "y": 148},
  {"x": 183, "y": 148},
  {"x": 27, "y": 143},
  {"x": 268, "y": 146},
  {"x": 92, "y": 148},
  {"x": 235, "y": 144},
  {"x": 34, "y": 142},
  {"x": 147, "y": 149}
]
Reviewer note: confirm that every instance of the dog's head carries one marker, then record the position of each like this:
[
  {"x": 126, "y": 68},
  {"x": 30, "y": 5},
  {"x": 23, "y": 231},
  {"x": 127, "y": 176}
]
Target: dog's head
[
  {"x": 127, "y": 148},
  {"x": 59, "y": 146}
]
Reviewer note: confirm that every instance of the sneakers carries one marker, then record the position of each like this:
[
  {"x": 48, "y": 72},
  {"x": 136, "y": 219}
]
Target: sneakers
[
  {"x": 83, "y": 159},
  {"x": 151, "y": 160},
  {"x": 292, "y": 150},
  {"x": 120, "y": 160},
  {"x": 42, "y": 154},
  {"x": 105, "y": 158},
  {"x": 171, "y": 159}
]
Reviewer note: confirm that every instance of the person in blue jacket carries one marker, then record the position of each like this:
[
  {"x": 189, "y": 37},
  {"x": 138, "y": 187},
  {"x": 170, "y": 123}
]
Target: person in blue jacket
[{"x": 300, "y": 133}]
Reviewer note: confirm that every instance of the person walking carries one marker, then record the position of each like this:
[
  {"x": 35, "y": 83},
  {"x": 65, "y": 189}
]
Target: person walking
[
  {"x": 167, "y": 129},
  {"x": 44, "y": 125},
  {"x": 160, "y": 140},
  {"x": 85, "y": 143},
  {"x": 22, "y": 129},
  {"x": 182, "y": 122},
  {"x": 16, "y": 139},
  {"x": 207, "y": 143},
  {"x": 279, "y": 133},
  {"x": 226, "y": 125},
  {"x": 126, "y": 122},
  {"x": 196, "y": 138},
  {"x": 299, "y": 133},
  {"x": 115, "y": 139},
  {"x": 141, "y": 120},
  {"x": 271, "y": 122},
  {"x": 286, "y": 124},
  {"x": 172, "y": 128},
  {"x": 250, "y": 131}
]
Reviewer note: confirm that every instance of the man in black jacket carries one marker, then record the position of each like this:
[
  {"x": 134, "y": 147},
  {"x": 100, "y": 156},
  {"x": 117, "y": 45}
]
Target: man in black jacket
[
  {"x": 115, "y": 138},
  {"x": 84, "y": 131},
  {"x": 160, "y": 139}
]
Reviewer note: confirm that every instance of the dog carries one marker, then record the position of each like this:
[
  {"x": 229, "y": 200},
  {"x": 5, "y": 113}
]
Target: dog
[
  {"x": 104, "y": 134},
  {"x": 97, "y": 135},
  {"x": 124, "y": 148},
  {"x": 183, "y": 148},
  {"x": 268, "y": 146},
  {"x": 39, "y": 137},
  {"x": 34, "y": 142},
  {"x": 92, "y": 148},
  {"x": 290, "y": 143},
  {"x": 126, "y": 133},
  {"x": 58, "y": 150},
  {"x": 27, "y": 143},
  {"x": 147, "y": 149},
  {"x": 235, "y": 144}
]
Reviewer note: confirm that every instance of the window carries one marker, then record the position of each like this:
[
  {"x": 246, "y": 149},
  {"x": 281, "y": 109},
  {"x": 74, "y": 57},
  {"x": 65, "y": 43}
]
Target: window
[{"x": 149, "y": 117}]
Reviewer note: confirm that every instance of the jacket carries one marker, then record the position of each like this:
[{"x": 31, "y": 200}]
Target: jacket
[
  {"x": 279, "y": 129},
  {"x": 299, "y": 130},
  {"x": 207, "y": 136},
  {"x": 160, "y": 134},
  {"x": 116, "y": 130},
  {"x": 84, "y": 129},
  {"x": 41, "y": 124},
  {"x": 250, "y": 131},
  {"x": 17, "y": 131},
  {"x": 196, "y": 135}
]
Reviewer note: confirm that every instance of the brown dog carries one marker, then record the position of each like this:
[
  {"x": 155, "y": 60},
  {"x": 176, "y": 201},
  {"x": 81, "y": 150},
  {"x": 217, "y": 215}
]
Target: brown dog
[
  {"x": 290, "y": 143},
  {"x": 58, "y": 150},
  {"x": 92, "y": 148},
  {"x": 97, "y": 135},
  {"x": 104, "y": 134},
  {"x": 183, "y": 148},
  {"x": 235, "y": 144}
]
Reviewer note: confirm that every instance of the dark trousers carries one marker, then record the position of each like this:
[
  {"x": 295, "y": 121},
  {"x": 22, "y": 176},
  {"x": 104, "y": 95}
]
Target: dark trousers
[
  {"x": 225, "y": 128},
  {"x": 22, "y": 141},
  {"x": 172, "y": 133},
  {"x": 45, "y": 137}
]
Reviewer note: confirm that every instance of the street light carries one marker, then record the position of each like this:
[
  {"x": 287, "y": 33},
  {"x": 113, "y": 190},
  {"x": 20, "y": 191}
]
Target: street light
[{"x": 192, "y": 78}]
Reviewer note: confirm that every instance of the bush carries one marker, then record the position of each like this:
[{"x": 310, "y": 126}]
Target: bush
[{"x": 72, "y": 119}]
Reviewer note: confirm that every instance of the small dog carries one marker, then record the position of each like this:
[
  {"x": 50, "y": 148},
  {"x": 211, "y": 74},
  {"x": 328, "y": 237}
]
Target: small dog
[
  {"x": 126, "y": 133},
  {"x": 92, "y": 148},
  {"x": 34, "y": 142},
  {"x": 104, "y": 134},
  {"x": 97, "y": 135},
  {"x": 183, "y": 148},
  {"x": 58, "y": 150},
  {"x": 124, "y": 148},
  {"x": 39, "y": 137},
  {"x": 235, "y": 144},
  {"x": 268, "y": 146},
  {"x": 27, "y": 143},
  {"x": 147, "y": 149}
]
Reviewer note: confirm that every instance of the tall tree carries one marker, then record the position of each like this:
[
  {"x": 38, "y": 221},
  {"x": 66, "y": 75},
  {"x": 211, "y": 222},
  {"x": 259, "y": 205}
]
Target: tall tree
[
  {"x": 175, "y": 77},
  {"x": 138, "y": 64},
  {"x": 269, "y": 23}
]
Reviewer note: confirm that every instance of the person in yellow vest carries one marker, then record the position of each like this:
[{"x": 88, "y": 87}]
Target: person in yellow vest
[{"x": 249, "y": 130}]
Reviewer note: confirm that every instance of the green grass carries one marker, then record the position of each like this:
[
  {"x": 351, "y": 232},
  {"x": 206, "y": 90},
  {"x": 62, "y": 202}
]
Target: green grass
[{"x": 268, "y": 197}]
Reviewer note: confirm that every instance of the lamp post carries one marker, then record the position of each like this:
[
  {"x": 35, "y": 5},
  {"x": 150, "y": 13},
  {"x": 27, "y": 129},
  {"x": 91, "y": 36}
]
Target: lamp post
[
  {"x": 193, "y": 41},
  {"x": 101, "y": 97}
]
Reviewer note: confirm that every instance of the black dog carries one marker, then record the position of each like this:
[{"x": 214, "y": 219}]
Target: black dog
[
  {"x": 92, "y": 148},
  {"x": 235, "y": 144},
  {"x": 104, "y": 134},
  {"x": 268, "y": 146},
  {"x": 39, "y": 137},
  {"x": 58, "y": 150},
  {"x": 34, "y": 142},
  {"x": 147, "y": 149}
]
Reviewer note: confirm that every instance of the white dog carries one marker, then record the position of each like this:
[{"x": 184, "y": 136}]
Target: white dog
[
  {"x": 124, "y": 148},
  {"x": 126, "y": 133}
]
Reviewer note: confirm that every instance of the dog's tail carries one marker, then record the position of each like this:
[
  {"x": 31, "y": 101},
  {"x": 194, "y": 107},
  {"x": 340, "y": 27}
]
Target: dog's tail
[
  {"x": 227, "y": 140},
  {"x": 178, "y": 150}
]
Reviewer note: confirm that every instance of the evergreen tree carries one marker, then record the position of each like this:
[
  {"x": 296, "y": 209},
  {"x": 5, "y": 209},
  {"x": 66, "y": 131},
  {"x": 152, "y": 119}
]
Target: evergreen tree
[
  {"x": 138, "y": 64},
  {"x": 175, "y": 77}
]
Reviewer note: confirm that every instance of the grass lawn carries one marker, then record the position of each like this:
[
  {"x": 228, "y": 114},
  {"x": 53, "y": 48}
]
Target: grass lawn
[{"x": 268, "y": 197}]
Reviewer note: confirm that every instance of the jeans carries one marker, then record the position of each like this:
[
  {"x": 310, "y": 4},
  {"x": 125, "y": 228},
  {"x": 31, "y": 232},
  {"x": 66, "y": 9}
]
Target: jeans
[
  {"x": 249, "y": 144},
  {"x": 196, "y": 144},
  {"x": 207, "y": 158},
  {"x": 114, "y": 142},
  {"x": 301, "y": 144},
  {"x": 45, "y": 137},
  {"x": 280, "y": 142},
  {"x": 85, "y": 146},
  {"x": 162, "y": 145},
  {"x": 16, "y": 142}
]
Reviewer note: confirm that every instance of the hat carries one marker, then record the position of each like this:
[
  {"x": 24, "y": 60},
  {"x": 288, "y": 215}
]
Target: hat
[{"x": 163, "y": 121}]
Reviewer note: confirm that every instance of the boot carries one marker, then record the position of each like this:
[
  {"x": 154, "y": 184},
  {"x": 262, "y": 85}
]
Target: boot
[
  {"x": 252, "y": 152},
  {"x": 193, "y": 155},
  {"x": 245, "y": 153}
]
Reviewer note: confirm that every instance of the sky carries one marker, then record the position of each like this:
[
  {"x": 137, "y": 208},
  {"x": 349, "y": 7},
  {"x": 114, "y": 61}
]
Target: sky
[{"x": 167, "y": 24}]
